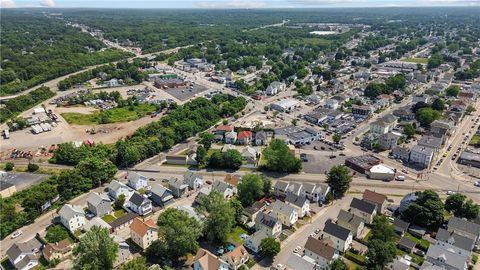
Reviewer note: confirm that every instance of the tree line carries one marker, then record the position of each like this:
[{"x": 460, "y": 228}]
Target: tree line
[{"x": 21, "y": 103}]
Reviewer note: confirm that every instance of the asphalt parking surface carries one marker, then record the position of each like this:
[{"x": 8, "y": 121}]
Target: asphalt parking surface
[{"x": 185, "y": 93}]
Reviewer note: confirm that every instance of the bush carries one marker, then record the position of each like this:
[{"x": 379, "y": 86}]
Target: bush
[
  {"x": 9, "y": 166},
  {"x": 32, "y": 167}
]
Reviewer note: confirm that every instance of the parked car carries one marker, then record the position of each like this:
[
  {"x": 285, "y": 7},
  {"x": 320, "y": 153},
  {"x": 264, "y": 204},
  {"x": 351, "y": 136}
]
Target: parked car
[
  {"x": 400, "y": 178},
  {"x": 419, "y": 252},
  {"x": 280, "y": 267},
  {"x": 16, "y": 234},
  {"x": 450, "y": 192},
  {"x": 477, "y": 184},
  {"x": 297, "y": 249}
]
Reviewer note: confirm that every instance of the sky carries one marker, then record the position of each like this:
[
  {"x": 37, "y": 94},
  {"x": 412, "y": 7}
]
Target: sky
[{"x": 230, "y": 4}]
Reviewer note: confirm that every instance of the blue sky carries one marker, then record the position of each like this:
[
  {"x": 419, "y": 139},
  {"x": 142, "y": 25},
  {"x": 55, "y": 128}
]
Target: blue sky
[{"x": 232, "y": 3}]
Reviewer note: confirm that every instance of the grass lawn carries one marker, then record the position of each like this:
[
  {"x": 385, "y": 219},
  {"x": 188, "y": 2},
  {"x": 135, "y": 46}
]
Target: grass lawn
[
  {"x": 108, "y": 218},
  {"x": 421, "y": 243},
  {"x": 359, "y": 259},
  {"x": 351, "y": 265},
  {"x": 6, "y": 264},
  {"x": 317, "y": 41},
  {"x": 475, "y": 140},
  {"x": 418, "y": 60},
  {"x": 235, "y": 234},
  {"x": 119, "y": 213},
  {"x": 115, "y": 115},
  {"x": 283, "y": 237}
]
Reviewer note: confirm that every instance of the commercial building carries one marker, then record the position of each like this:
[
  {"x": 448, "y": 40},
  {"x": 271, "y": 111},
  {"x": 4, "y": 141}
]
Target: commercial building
[
  {"x": 362, "y": 164},
  {"x": 285, "y": 105},
  {"x": 381, "y": 172}
]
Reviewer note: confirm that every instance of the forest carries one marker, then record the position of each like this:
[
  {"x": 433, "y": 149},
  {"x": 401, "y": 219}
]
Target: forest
[
  {"x": 36, "y": 49},
  {"x": 24, "y": 102}
]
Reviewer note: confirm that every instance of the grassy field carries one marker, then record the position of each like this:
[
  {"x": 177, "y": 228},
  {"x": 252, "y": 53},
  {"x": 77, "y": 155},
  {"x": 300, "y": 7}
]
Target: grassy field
[
  {"x": 317, "y": 41},
  {"x": 418, "y": 60},
  {"x": 115, "y": 115},
  {"x": 475, "y": 140}
]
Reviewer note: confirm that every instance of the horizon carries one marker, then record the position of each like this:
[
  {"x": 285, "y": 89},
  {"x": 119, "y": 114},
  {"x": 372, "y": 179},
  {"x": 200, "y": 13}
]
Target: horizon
[{"x": 236, "y": 4}]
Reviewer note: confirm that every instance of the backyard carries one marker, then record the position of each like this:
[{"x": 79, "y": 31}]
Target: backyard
[
  {"x": 236, "y": 235},
  {"x": 418, "y": 60},
  {"x": 115, "y": 115},
  {"x": 113, "y": 216}
]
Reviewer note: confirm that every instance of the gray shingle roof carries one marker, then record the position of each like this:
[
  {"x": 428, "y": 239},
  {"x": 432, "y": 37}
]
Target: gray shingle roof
[
  {"x": 137, "y": 199},
  {"x": 266, "y": 220},
  {"x": 68, "y": 211},
  {"x": 458, "y": 224},
  {"x": 281, "y": 207},
  {"x": 280, "y": 185},
  {"x": 455, "y": 239},
  {"x": 220, "y": 186},
  {"x": 400, "y": 224},
  {"x": 454, "y": 260},
  {"x": 296, "y": 200},
  {"x": 320, "y": 248},
  {"x": 363, "y": 206},
  {"x": 349, "y": 218},
  {"x": 336, "y": 230},
  {"x": 26, "y": 247},
  {"x": 95, "y": 198}
]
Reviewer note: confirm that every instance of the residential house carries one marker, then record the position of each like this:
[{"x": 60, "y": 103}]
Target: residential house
[
  {"x": 280, "y": 188},
  {"x": 99, "y": 204},
  {"x": 288, "y": 215},
  {"x": 137, "y": 181},
  {"x": 232, "y": 179},
  {"x": 465, "y": 228},
  {"x": 236, "y": 258},
  {"x": 249, "y": 154},
  {"x": 446, "y": 259},
  {"x": 361, "y": 111},
  {"x": 57, "y": 251},
  {"x": 244, "y": 137},
  {"x": 378, "y": 199},
  {"x": 331, "y": 104},
  {"x": 123, "y": 254},
  {"x": 204, "y": 191},
  {"x": 320, "y": 251},
  {"x": 399, "y": 264},
  {"x": 455, "y": 242},
  {"x": 383, "y": 125},
  {"x": 440, "y": 128},
  {"x": 421, "y": 156},
  {"x": 123, "y": 221},
  {"x": 223, "y": 188},
  {"x": 341, "y": 238},
  {"x": 268, "y": 223},
  {"x": 143, "y": 233},
  {"x": 140, "y": 204},
  {"x": 301, "y": 203},
  {"x": 274, "y": 88},
  {"x": 72, "y": 217},
  {"x": 23, "y": 256},
  {"x": 402, "y": 153},
  {"x": 193, "y": 180},
  {"x": 295, "y": 188},
  {"x": 116, "y": 188},
  {"x": 315, "y": 192},
  {"x": 304, "y": 136},
  {"x": 296, "y": 261},
  {"x": 406, "y": 244},
  {"x": 250, "y": 213},
  {"x": 388, "y": 140},
  {"x": 253, "y": 241},
  {"x": 432, "y": 142},
  {"x": 363, "y": 209},
  {"x": 161, "y": 195},
  {"x": 204, "y": 260},
  {"x": 400, "y": 226},
  {"x": 222, "y": 129},
  {"x": 231, "y": 137},
  {"x": 261, "y": 138},
  {"x": 404, "y": 114},
  {"x": 353, "y": 223},
  {"x": 177, "y": 186}
]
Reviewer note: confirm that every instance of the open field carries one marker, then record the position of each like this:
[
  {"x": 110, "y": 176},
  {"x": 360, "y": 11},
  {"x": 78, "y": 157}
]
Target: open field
[
  {"x": 317, "y": 41},
  {"x": 115, "y": 115},
  {"x": 418, "y": 60}
]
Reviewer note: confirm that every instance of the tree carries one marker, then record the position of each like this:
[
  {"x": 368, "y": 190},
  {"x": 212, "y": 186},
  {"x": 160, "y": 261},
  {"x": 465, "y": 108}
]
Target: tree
[
  {"x": 269, "y": 247},
  {"x": 382, "y": 229},
  {"x": 338, "y": 264},
  {"x": 438, "y": 104},
  {"x": 279, "y": 158},
  {"x": 238, "y": 208},
  {"x": 98, "y": 170},
  {"x": 71, "y": 183},
  {"x": 454, "y": 202},
  {"x": 435, "y": 60},
  {"x": 426, "y": 210},
  {"x": 206, "y": 139},
  {"x": 56, "y": 233},
  {"x": 469, "y": 210},
  {"x": 139, "y": 263},
  {"x": 250, "y": 189},
  {"x": 336, "y": 137},
  {"x": 9, "y": 166},
  {"x": 379, "y": 254},
  {"x": 178, "y": 234},
  {"x": 32, "y": 167},
  {"x": 427, "y": 115},
  {"x": 201, "y": 157},
  {"x": 470, "y": 109},
  {"x": 339, "y": 179},
  {"x": 96, "y": 250},
  {"x": 220, "y": 219},
  {"x": 409, "y": 130},
  {"x": 461, "y": 207},
  {"x": 452, "y": 91},
  {"x": 119, "y": 201}
]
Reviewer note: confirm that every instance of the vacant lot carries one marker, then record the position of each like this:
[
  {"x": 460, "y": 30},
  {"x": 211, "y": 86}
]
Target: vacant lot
[
  {"x": 115, "y": 115},
  {"x": 418, "y": 60}
]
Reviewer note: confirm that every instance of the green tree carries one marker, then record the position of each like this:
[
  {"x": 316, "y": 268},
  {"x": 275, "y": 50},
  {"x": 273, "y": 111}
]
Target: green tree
[
  {"x": 220, "y": 218},
  {"x": 336, "y": 137},
  {"x": 452, "y": 91},
  {"x": 71, "y": 183},
  {"x": 427, "y": 210},
  {"x": 455, "y": 202},
  {"x": 339, "y": 179},
  {"x": 96, "y": 251},
  {"x": 178, "y": 234},
  {"x": 338, "y": 264},
  {"x": 409, "y": 130},
  {"x": 119, "y": 201},
  {"x": 279, "y": 158},
  {"x": 250, "y": 189},
  {"x": 98, "y": 170},
  {"x": 206, "y": 139},
  {"x": 238, "y": 208},
  {"x": 32, "y": 167},
  {"x": 201, "y": 157},
  {"x": 9, "y": 166},
  {"x": 379, "y": 254},
  {"x": 435, "y": 60},
  {"x": 269, "y": 247},
  {"x": 427, "y": 115},
  {"x": 469, "y": 210},
  {"x": 138, "y": 263},
  {"x": 470, "y": 109},
  {"x": 56, "y": 233},
  {"x": 438, "y": 104},
  {"x": 382, "y": 229}
]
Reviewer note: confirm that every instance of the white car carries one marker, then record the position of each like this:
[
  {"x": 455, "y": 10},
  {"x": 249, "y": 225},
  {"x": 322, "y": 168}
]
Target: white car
[
  {"x": 477, "y": 184},
  {"x": 450, "y": 192},
  {"x": 297, "y": 249},
  {"x": 280, "y": 267},
  {"x": 16, "y": 234}
]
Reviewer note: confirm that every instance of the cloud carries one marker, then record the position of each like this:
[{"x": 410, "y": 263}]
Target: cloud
[
  {"x": 7, "y": 4},
  {"x": 47, "y": 3},
  {"x": 328, "y": 2},
  {"x": 231, "y": 4}
]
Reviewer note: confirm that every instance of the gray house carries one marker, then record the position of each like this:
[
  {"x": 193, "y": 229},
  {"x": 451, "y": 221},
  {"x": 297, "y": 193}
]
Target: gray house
[
  {"x": 177, "y": 186},
  {"x": 161, "y": 195},
  {"x": 193, "y": 180},
  {"x": 99, "y": 204}
]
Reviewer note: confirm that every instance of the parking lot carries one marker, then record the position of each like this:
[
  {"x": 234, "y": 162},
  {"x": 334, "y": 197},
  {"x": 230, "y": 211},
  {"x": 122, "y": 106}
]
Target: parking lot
[
  {"x": 22, "y": 180},
  {"x": 185, "y": 93},
  {"x": 321, "y": 162}
]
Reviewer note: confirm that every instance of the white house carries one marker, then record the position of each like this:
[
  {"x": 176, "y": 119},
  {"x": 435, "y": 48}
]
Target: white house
[
  {"x": 116, "y": 188},
  {"x": 223, "y": 188},
  {"x": 253, "y": 241},
  {"x": 24, "y": 255},
  {"x": 137, "y": 181},
  {"x": 315, "y": 192},
  {"x": 320, "y": 251},
  {"x": 421, "y": 155},
  {"x": 331, "y": 104},
  {"x": 72, "y": 217},
  {"x": 286, "y": 214},
  {"x": 300, "y": 202},
  {"x": 341, "y": 238},
  {"x": 268, "y": 223},
  {"x": 454, "y": 242},
  {"x": 143, "y": 233},
  {"x": 140, "y": 204},
  {"x": 193, "y": 180},
  {"x": 274, "y": 88}
]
